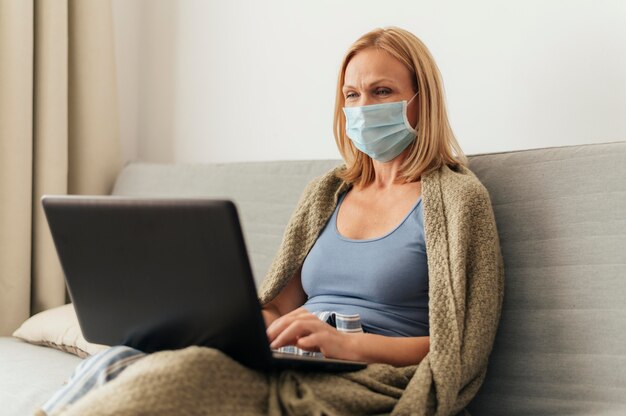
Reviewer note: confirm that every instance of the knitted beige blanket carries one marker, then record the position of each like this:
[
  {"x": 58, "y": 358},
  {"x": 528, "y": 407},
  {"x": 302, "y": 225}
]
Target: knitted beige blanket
[{"x": 466, "y": 289}]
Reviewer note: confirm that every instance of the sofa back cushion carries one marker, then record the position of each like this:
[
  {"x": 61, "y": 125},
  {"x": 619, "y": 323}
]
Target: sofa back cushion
[
  {"x": 265, "y": 193},
  {"x": 561, "y": 343},
  {"x": 561, "y": 215}
]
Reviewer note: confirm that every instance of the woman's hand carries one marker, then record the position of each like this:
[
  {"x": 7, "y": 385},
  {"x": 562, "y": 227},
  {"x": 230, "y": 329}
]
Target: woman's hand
[{"x": 304, "y": 330}]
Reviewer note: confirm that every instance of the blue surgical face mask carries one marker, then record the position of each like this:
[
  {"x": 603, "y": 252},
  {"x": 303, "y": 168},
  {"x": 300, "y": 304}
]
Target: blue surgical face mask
[{"x": 382, "y": 131}]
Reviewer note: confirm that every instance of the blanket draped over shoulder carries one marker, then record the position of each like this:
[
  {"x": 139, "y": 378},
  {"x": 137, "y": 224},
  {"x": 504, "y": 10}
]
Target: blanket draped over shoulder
[{"x": 465, "y": 287}]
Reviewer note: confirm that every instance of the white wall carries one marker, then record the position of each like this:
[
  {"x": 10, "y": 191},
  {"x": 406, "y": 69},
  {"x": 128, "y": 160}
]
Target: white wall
[{"x": 206, "y": 81}]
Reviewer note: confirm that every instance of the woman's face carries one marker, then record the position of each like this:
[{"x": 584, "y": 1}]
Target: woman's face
[{"x": 374, "y": 76}]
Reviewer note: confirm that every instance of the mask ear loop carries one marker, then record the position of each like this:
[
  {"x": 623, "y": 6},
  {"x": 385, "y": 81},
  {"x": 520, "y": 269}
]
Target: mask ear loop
[
  {"x": 412, "y": 98},
  {"x": 406, "y": 117}
]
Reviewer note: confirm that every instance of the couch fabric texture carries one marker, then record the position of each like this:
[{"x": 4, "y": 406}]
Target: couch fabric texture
[{"x": 561, "y": 216}]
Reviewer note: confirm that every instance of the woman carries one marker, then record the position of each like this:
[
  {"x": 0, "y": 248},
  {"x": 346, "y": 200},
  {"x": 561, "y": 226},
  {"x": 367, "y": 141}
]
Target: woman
[
  {"x": 376, "y": 87},
  {"x": 401, "y": 239}
]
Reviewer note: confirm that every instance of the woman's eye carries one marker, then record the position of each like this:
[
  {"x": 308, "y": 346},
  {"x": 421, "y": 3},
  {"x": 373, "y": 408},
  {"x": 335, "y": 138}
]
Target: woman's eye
[
  {"x": 382, "y": 91},
  {"x": 350, "y": 95}
]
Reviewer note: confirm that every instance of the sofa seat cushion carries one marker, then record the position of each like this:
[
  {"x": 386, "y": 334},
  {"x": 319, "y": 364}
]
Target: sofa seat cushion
[{"x": 31, "y": 374}]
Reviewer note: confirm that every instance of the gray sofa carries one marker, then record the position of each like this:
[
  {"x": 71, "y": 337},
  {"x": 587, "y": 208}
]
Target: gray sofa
[{"x": 561, "y": 214}]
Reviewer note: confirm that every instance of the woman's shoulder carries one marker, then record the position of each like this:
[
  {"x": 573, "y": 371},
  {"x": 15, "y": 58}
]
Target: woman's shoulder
[
  {"x": 461, "y": 183},
  {"x": 461, "y": 194}
]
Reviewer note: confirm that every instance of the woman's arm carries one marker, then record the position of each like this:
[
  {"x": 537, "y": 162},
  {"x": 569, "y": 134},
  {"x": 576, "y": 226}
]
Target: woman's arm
[
  {"x": 304, "y": 330},
  {"x": 290, "y": 298},
  {"x": 299, "y": 327},
  {"x": 397, "y": 351}
]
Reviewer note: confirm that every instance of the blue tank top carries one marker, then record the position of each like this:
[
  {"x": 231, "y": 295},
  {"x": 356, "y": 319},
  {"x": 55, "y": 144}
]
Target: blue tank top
[{"x": 383, "y": 279}]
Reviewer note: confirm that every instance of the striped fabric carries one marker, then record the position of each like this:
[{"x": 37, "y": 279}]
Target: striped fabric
[
  {"x": 91, "y": 373},
  {"x": 108, "y": 364}
]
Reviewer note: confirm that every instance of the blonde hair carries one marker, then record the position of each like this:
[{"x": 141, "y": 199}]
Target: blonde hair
[{"x": 435, "y": 144}]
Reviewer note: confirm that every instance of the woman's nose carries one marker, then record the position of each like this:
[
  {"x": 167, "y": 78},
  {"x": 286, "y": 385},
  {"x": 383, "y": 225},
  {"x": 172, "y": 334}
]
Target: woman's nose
[{"x": 365, "y": 99}]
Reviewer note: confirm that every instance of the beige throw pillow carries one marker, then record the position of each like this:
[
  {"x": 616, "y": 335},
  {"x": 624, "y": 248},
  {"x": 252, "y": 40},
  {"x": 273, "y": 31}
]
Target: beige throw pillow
[{"x": 57, "y": 328}]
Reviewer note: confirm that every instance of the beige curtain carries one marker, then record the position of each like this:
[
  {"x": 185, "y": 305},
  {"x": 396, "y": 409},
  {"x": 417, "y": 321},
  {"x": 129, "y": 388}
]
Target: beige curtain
[{"x": 58, "y": 135}]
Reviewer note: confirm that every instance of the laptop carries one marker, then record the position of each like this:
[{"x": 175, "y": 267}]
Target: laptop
[{"x": 159, "y": 274}]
